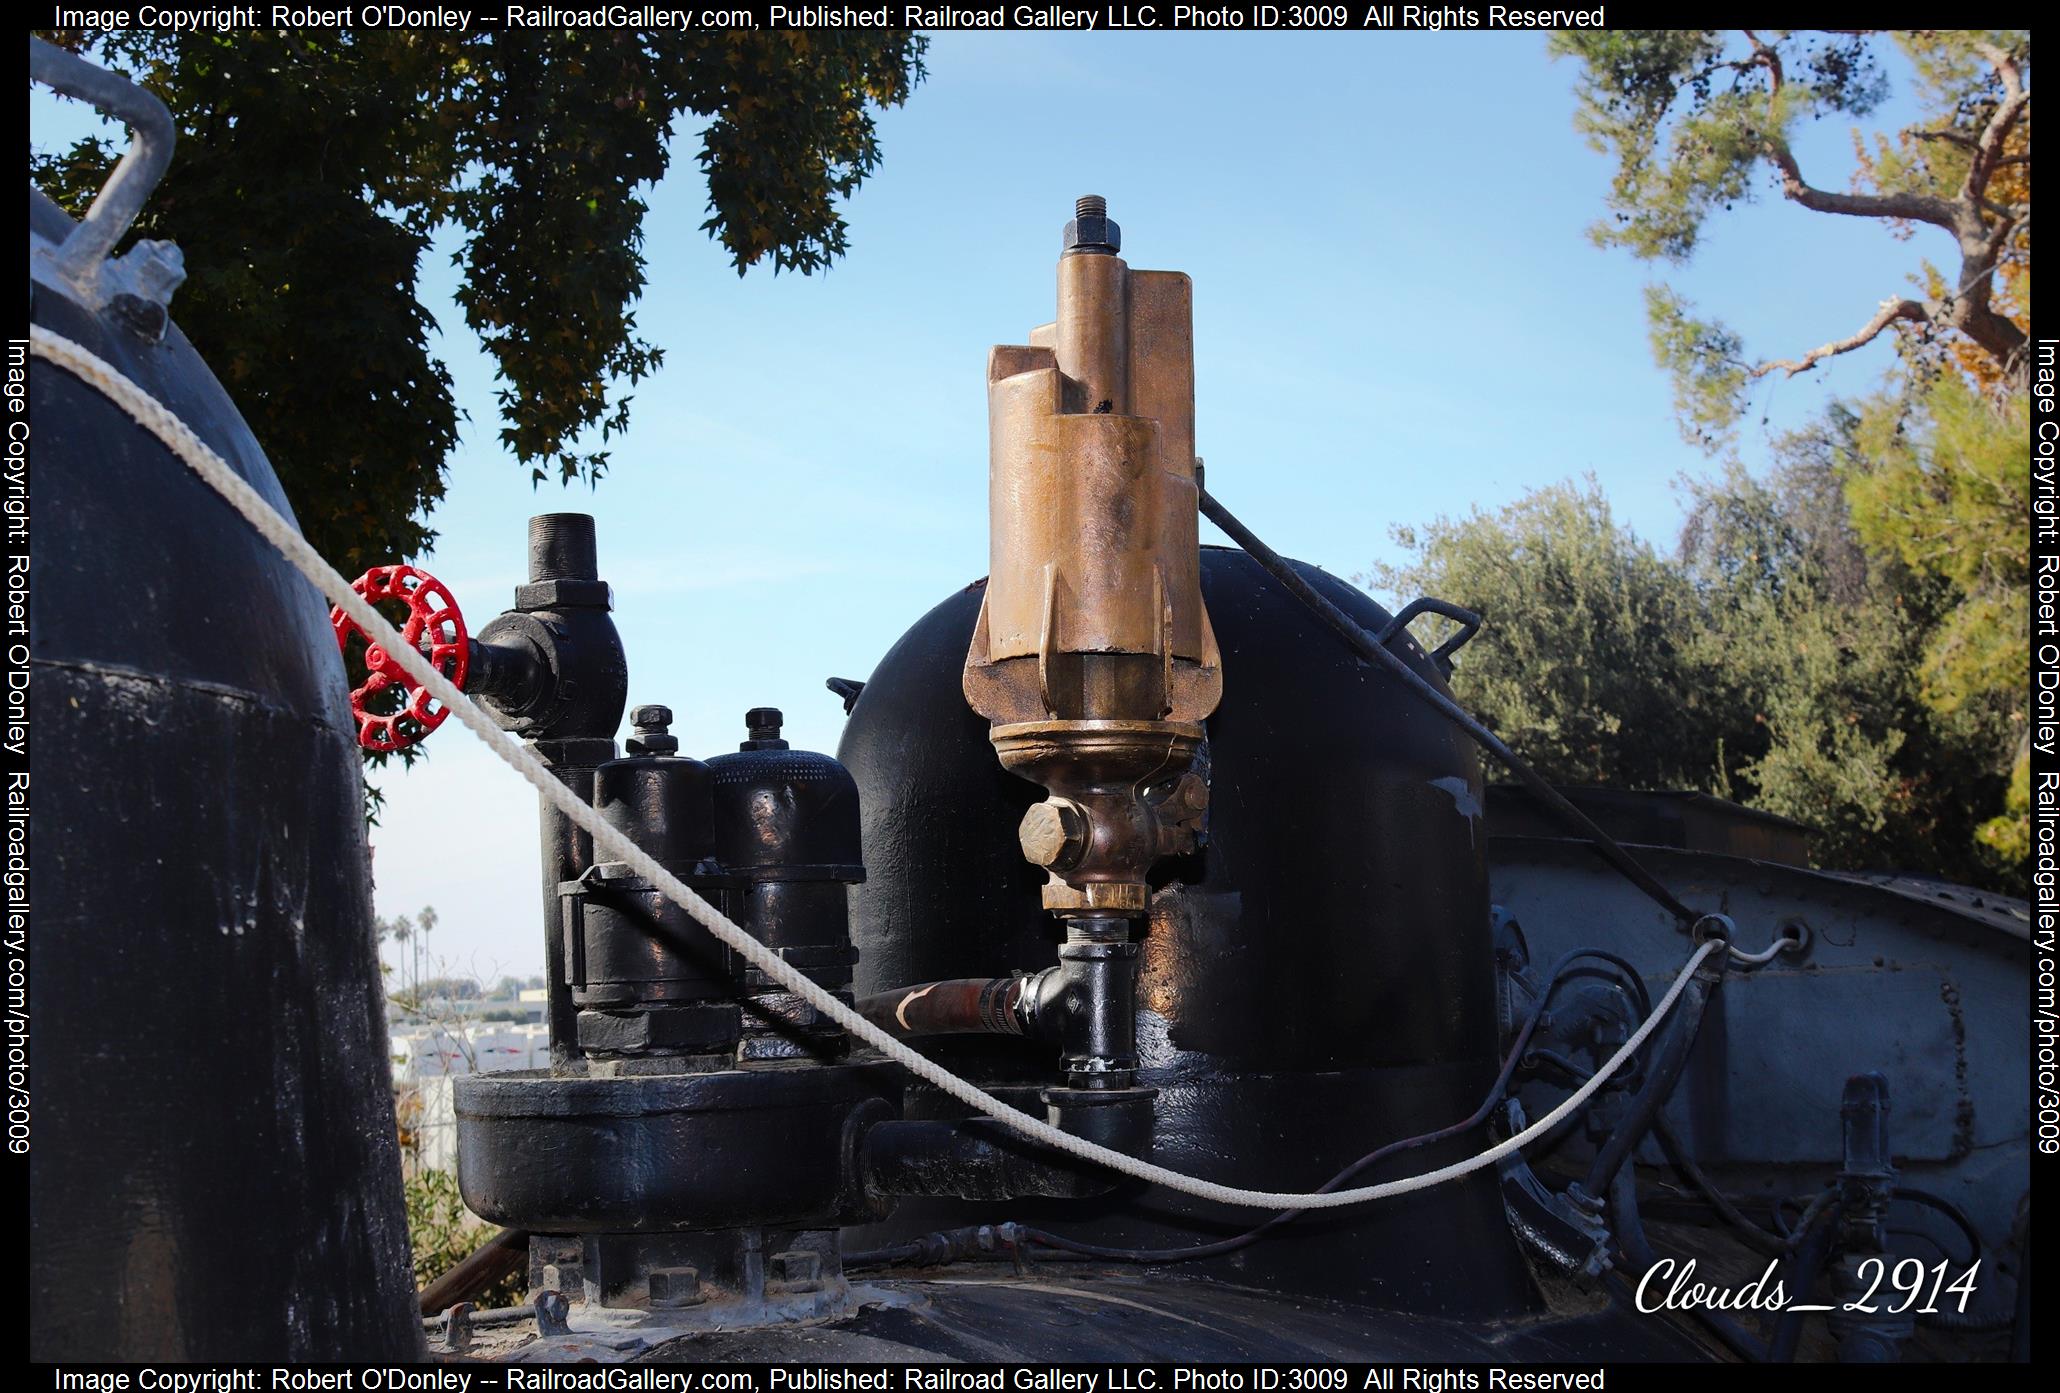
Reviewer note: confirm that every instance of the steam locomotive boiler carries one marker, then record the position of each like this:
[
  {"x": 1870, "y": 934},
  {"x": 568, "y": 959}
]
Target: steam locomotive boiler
[{"x": 1184, "y": 852}]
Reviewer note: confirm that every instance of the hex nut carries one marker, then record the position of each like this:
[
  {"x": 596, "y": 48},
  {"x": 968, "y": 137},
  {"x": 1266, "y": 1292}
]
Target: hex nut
[
  {"x": 797, "y": 1269},
  {"x": 1092, "y": 234},
  {"x": 1053, "y": 834},
  {"x": 673, "y": 1287}
]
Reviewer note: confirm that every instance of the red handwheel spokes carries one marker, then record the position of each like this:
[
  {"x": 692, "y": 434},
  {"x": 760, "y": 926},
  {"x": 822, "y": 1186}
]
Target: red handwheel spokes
[{"x": 434, "y": 628}]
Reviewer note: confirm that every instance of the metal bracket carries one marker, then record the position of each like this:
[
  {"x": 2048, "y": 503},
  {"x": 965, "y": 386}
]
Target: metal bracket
[
  {"x": 1468, "y": 621},
  {"x": 150, "y": 271},
  {"x": 1552, "y": 1226}
]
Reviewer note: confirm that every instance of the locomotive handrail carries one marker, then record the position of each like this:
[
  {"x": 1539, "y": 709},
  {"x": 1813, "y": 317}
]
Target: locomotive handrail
[
  {"x": 1468, "y": 621},
  {"x": 121, "y": 198},
  {"x": 191, "y": 450}
]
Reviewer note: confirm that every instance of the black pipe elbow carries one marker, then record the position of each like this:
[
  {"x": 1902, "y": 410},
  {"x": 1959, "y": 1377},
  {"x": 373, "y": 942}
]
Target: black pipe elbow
[{"x": 553, "y": 667}]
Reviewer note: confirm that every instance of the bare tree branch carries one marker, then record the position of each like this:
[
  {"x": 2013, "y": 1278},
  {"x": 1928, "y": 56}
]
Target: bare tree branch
[
  {"x": 1908, "y": 206},
  {"x": 1989, "y": 149},
  {"x": 1889, "y": 313},
  {"x": 1905, "y": 206},
  {"x": 2015, "y": 219}
]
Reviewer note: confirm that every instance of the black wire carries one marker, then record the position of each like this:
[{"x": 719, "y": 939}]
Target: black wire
[
  {"x": 1574, "y": 1072},
  {"x": 1632, "y": 981},
  {"x": 1367, "y": 647},
  {"x": 1637, "y": 1251},
  {"x": 1755, "y": 1237},
  {"x": 1942, "y": 1205},
  {"x": 1230, "y": 1245}
]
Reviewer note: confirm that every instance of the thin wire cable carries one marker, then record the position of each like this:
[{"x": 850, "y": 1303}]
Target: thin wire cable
[
  {"x": 195, "y": 453},
  {"x": 1372, "y": 650},
  {"x": 1560, "y": 973}
]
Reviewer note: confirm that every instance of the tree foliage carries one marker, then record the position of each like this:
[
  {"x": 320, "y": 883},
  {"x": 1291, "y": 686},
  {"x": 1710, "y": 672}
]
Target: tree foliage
[
  {"x": 1771, "y": 657},
  {"x": 313, "y": 168},
  {"x": 1698, "y": 121},
  {"x": 1585, "y": 667},
  {"x": 1881, "y": 648}
]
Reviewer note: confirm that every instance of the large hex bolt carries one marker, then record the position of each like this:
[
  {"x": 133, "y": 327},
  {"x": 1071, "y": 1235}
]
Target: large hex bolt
[
  {"x": 1054, "y": 834},
  {"x": 1092, "y": 232},
  {"x": 552, "y": 1314},
  {"x": 796, "y": 1270},
  {"x": 670, "y": 1288},
  {"x": 653, "y": 736},
  {"x": 762, "y": 726}
]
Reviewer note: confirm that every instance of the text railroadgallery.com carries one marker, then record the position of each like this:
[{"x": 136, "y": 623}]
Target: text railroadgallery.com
[
  {"x": 2045, "y": 745},
  {"x": 831, "y": 1378},
  {"x": 14, "y": 740},
  {"x": 1149, "y": 14}
]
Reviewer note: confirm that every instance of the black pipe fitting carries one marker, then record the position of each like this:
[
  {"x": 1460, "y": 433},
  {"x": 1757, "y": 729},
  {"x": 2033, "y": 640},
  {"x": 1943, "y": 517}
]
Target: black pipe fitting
[
  {"x": 552, "y": 670},
  {"x": 1091, "y": 231},
  {"x": 552, "y": 667},
  {"x": 1087, "y": 1005}
]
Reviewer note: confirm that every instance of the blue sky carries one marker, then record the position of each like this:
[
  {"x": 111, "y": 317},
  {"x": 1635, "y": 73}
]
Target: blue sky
[{"x": 1397, "y": 315}]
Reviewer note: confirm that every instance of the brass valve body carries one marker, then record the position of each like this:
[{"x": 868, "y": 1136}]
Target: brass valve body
[{"x": 1093, "y": 656}]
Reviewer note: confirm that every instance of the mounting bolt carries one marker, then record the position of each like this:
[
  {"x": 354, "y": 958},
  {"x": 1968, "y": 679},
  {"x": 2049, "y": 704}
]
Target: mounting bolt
[
  {"x": 763, "y": 725},
  {"x": 1054, "y": 834},
  {"x": 651, "y": 738},
  {"x": 1091, "y": 233},
  {"x": 159, "y": 269},
  {"x": 551, "y": 1311},
  {"x": 797, "y": 1269},
  {"x": 457, "y": 1328},
  {"x": 673, "y": 1287}
]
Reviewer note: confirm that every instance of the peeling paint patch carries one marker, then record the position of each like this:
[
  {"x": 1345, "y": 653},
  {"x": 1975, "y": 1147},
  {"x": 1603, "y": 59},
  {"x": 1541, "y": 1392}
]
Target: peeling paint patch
[
  {"x": 1464, "y": 801},
  {"x": 1463, "y": 797}
]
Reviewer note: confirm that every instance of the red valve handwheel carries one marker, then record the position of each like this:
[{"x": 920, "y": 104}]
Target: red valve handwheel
[{"x": 434, "y": 629}]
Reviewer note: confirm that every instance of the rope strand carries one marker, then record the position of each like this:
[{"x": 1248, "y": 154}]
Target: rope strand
[{"x": 203, "y": 461}]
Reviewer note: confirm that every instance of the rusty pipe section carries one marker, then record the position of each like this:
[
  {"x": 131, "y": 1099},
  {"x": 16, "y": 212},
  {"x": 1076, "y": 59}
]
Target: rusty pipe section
[
  {"x": 1093, "y": 657},
  {"x": 961, "y": 1006},
  {"x": 1086, "y": 1005}
]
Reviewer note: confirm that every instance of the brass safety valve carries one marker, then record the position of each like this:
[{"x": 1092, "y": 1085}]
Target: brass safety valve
[{"x": 1093, "y": 657}]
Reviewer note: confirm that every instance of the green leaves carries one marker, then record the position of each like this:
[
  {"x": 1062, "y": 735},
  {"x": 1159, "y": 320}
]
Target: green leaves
[
  {"x": 1780, "y": 656},
  {"x": 314, "y": 166},
  {"x": 1582, "y": 664},
  {"x": 1942, "y": 482},
  {"x": 1706, "y": 361},
  {"x": 1689, "y": 113}
]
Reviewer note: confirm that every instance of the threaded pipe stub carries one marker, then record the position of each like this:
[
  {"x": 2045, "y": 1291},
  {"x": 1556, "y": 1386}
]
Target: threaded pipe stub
[
  {"x": 1091, "y": 233},
  {"x": 561, "y": 547}
]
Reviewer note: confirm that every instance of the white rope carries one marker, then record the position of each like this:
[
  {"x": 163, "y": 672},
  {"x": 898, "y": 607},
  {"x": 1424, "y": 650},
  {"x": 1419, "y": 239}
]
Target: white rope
[{"x": 194, "y": 452}]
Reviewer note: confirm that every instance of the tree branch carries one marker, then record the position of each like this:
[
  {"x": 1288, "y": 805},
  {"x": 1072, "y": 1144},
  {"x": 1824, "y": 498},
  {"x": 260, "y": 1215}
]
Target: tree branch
[
  {"x": 1910, "y": 207},
  {"x": 1988, "y": 151},
  {"x": 1907, "y": 207},
  {"x": 1889, "y": 313}
]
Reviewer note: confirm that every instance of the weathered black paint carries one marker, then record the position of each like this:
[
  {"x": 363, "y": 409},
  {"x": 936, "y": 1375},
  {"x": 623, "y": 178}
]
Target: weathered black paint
[
  {"x": 762, "y": 1144},
  {"x": 1316, "y": 981},
  {"x": 215, "y": 1173}
]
